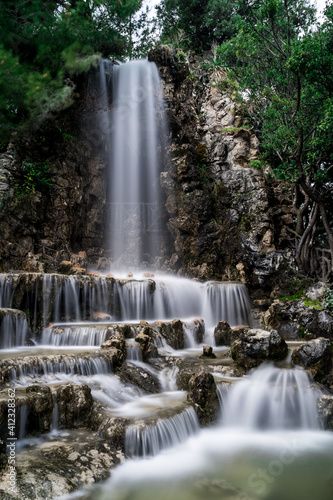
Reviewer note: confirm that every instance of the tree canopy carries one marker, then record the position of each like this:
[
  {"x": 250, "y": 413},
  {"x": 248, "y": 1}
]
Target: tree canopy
[
  {"x": 195, "y": 24},
  {"x": 44, "y": 44},
  {"x": 283, "y": 63}
]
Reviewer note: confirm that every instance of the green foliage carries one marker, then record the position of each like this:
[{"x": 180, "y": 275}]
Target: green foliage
[
  {"x": 283, "y": 64},
  {"x": 257, "y": 164},
  {"x": 285, "y": 68},
  {"x": 328, "y": 300},
  {"x": 194, "y": 24},
  {"x": 304, "y": 332},
  {"x": 44, "y": 44},
  {"x": 34, "y": 177}
]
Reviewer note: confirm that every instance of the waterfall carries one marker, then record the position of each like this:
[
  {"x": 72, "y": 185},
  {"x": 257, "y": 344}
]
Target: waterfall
[
  {"x": 137, "y": 138},
  {"x": 166, "y": 433},
  {"x": 272, "y": 398},
  {"x": 6, "y": 290},
  {"x": 74, "y": 298},
  {"x": 74, "y": 336},
  {"x": 170, "y": 298},
  {"x": 45, "y": 369},
  {"x": 168, "y": 378},
  {"x": 13, "y": 328},
  {"x": 228, "y": 302}
]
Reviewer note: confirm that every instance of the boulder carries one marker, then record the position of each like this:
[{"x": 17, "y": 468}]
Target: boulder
[
  {"x": 203, "y": 396},
  {"x": 317, "y": 291},
  {"x": 207, "y": 352},
  {"x": 79, "y": 259},
  {"x": 40, "y": 407},
  {"x": 145, "y": 340},
  {"x": 294, "y": 320},
  {"x": 222, "y": 333},
  {"x": 116, "y": 341},
  {"x": 100, "y": 316},
  {"x": 325, "y": 410},
  {"x": 315, "y": 356},
  {"x": 172, "y": 332},
  {"x": 254, "y": 346},
  {"x": 130, "y": 373},
  {"x": 75, "y": 403}
]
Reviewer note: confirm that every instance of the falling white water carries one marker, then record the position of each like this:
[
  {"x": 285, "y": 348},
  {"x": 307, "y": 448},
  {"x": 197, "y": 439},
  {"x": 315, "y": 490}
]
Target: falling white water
[
  {"x": 6, "y": 290},
  {"x": 166, "y": 433},
  {"x": 47, "y": 370},
  {"x": 135, "y": 134},
  {"x": 272, "y": 398},
  {"x": 171, "y": 297},
  {"x": 189, "y": 335},
  {"x": 168, "y": 378},
  {"x": 74, "y": 336},
  {"x": 78, "y": 298},
  {"x": 133, "y": 351},
  {"x": 13, "y": 328},
  {"x": 55, "y": 419}
]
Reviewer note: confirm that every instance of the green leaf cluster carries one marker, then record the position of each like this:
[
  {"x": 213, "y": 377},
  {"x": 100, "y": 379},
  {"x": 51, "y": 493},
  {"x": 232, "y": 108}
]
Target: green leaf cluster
[
  {"x": 196, "y": 25},
  {"x": 45, "y": 45},
  {"x": 33, "y": 177}
]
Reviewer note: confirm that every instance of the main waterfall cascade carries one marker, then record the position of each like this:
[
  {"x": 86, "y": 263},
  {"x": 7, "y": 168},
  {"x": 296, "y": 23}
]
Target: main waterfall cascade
[
  {"x": 136, "y": 134},
  {"x": 267, "y": 443}
]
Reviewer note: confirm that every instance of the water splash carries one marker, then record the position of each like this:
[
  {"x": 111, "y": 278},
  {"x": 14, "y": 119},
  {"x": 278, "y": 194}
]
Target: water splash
[
  {"x": 166, "y": 433},
  {"x": 272, "y": 398}
]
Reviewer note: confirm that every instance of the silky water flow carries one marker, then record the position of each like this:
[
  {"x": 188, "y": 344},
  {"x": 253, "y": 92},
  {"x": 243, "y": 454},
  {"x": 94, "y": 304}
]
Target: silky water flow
[{"x": 267, "y": 444}]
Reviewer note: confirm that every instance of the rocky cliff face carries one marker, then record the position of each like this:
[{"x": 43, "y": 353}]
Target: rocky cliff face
[
  {"x": 41, "y": 227},
  {"x": 225, "y": 219},
  {"x": 228, "y": 220}
]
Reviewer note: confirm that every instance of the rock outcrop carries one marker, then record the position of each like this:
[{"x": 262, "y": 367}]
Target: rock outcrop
[
  {"x": 325, "y": 410},
  {"x": 252, "y": 347},
  {"x": 203, "y": 396},
  {"x": 222, "y": 333},
  {"x": 315, "y": 356},
  {"x": 294, "y": 320},
  {"x": 227, "y": 219}
]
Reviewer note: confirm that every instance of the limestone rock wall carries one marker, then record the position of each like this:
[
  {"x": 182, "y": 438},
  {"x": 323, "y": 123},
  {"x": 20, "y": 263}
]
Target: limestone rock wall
[
  {"x": 227, "y": 220},
  {"x": 42, "y": 227}
]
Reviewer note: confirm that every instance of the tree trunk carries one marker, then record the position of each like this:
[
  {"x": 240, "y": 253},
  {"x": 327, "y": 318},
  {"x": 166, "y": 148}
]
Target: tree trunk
[
  {"x": 328, "y": 231},
  {"x": 305, "y": 239}
]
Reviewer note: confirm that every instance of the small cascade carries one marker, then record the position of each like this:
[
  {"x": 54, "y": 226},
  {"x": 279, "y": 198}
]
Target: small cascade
[
  {"x": 183, "y": 298},
  {"x": 189, "y": 335},
  {"x": 6, "y": 290},
  {"x": 71, "y": 298},
  {"x": 150, "y": 440},
  {"x": 134, "y": 300},
  {"x": 228, "y": 302},
  {"x": 133, "y": 351},
  {"x": 222, "y": 390},
  {"x": 272, "y": 398},
  {"x": 57, "y": 366},
  {"x": 13, "y": 328},
  {"x": 74, "y": 336},
  {"x": 54, "y": 298},
  {"x": 55, "y": 419},
  {"x": 168, "y": 378},
  {"x": 23, "y": 412}
]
